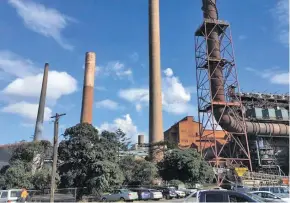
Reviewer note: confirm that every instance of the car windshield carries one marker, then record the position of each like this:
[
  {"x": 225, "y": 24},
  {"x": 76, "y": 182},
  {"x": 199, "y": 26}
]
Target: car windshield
[
  {"x": 255, "y": 197},
  {"x": 125, "y": 190},
  {"x": 153, "y": 190},
  {"x": 284, "y": 190}
]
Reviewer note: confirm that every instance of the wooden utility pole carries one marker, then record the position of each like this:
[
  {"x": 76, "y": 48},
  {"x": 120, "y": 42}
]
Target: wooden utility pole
[{"x": 55, "y": 146}]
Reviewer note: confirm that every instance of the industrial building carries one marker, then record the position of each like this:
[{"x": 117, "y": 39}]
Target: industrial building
[
  {"x": 185, "y": 133},
  {"x": 257, "y": 125}
]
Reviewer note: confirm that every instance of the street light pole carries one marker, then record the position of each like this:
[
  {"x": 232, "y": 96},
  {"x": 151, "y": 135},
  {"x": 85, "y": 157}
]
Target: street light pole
[{"x": 54, "y": 164}]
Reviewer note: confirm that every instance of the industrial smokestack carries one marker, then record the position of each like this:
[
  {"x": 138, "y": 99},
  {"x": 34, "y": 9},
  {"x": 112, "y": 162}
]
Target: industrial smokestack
[
  {"x": 155, "y": 93},
  {"x": 140, "y": 139},
  {"x": 88, "y": 90},
  {"x": 41, "y": 106},
  {"x": 227, "y": 121}
]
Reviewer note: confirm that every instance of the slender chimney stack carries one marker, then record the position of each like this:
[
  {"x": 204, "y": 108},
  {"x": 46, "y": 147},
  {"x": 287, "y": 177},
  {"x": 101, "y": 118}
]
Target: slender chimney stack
[
  {"x": 155, "y": 93},
  {"x": 41, "y": 106},
  {"x": 88, "y": 90},
  {"x": 140, "y": 139}
]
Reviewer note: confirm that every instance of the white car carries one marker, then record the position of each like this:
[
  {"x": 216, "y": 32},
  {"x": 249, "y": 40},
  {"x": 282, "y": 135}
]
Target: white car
[
  {"x": 269, "y": 196},
  {"x": 180, "y": 194},
  {"x": 11, "y": 195},
  {"x": 120, "y": 195},
  {"x": 155, "y": 194},
  {"x": 281, "y": 191}
]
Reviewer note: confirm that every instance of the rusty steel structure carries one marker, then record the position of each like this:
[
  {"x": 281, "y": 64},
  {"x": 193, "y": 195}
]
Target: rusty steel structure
[
  {"x": 88, "y": 89},
  {"x": 216, "y": 76},
  {"x": 41, "y": 106},
  {"x": 155, "y": 92}
]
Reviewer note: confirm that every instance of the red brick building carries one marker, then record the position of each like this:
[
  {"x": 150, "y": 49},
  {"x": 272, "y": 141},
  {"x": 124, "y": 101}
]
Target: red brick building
[{"x": 185, "y": 133}]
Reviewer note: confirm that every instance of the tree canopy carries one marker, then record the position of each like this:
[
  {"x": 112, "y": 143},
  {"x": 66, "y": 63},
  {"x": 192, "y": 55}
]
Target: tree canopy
[
  {"x": 186, "y": 166},
  {"x": 138, "y": 172},
  {"x": 88, "y": 159},
  {"x": 25, "y": 167}
]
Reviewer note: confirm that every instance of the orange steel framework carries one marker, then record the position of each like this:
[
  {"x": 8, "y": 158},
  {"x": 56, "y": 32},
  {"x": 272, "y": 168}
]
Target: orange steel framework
[{"x": 235, "y": 151}]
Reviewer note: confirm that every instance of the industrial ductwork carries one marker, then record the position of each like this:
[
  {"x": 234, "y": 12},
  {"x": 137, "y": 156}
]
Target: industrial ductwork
[{"x": 225, "y": 120}]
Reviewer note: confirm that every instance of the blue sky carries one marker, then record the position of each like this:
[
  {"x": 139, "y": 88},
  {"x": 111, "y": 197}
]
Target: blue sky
[{"x": 58, "y": 32}]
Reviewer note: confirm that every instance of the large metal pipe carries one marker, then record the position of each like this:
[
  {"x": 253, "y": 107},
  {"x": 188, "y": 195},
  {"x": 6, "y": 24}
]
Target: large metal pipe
[
  {"x": 155, "y": 92},
  {"x": 88, "y": 89},
  {"x": 41, "y": 106},
  {"x": 227, "y": 122}
]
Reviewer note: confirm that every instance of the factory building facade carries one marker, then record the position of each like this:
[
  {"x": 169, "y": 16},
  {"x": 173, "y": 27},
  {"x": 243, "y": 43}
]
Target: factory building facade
[{"x": 185, "y": 133}]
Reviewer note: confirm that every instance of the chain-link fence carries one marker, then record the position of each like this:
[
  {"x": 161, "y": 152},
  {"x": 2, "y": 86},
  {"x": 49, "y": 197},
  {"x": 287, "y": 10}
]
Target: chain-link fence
[{"x": 60, "y": 195}]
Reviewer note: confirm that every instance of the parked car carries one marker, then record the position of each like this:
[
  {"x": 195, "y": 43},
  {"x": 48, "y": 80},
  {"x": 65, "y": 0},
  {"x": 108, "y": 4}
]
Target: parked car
[
  {"x": 188, "y": 191},
  {"x": 143, "y": 193},
  {"x": 222, "y": 196},
  {"x": 281, "y": 191},
  {"x": 11, "y": 195},
  {"x": 179, "y": 193},
  {"x": 120, "y": 195},
  {"x": 268, "y": 196},
  {"x": 218, "y": 188},
  {"x": 155, "y": 194},
  {"x": 168, "y": 193}
]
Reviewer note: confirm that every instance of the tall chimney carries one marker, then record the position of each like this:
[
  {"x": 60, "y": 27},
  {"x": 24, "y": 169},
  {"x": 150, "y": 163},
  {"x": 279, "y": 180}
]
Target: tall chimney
[
  {"x": 88, "y": 90},
  {"x": 155, "y": 93},
  {"x": 140, "y": 139},
  {"x": 41, "y": 106}
]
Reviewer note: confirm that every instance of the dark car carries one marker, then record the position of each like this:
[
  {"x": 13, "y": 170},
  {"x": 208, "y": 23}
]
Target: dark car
[
  {"x": 143, "y": 194},
  {"x": 168, "y": 193}
]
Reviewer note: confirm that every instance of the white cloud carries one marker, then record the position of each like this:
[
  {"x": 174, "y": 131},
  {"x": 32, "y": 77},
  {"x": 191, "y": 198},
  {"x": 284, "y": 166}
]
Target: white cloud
[
  {"x": 175, "y": 97},
  {"x": 108, "y": 104},
  {"x": 168, "y": 72},
  {"x": 281, "y": 15},
  {"x": 16, "y": 66},
  {"x": 138, "y": 107},
  {"x": 59, "y": 84},
  {"x": 140, "y": 95},
  {"x": 26, "y": 110},
  {"x": 275, "y": 75},
  {"x": 125, "y": 124},
  {"x": 282, "y": 79},
  {"x": 134, "y": 57},
  {"x": 46, "y": 21},
  {"x": 116, "y": 69}
]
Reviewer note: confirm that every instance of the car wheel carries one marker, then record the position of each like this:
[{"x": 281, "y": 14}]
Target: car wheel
[
  {"x": 167, "y": 197},
  {"x": 104, "y": 199},
  {"x": 122, "y": 199}
]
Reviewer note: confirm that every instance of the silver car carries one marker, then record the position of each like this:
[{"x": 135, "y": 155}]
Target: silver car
[
  {"x": 120, "y": 195},
  {"x": 269, "y": 196}
]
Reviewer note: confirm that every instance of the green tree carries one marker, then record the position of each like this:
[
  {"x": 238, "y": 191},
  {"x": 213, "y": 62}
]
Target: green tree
[
  {"x": 88, "y": 160},
  {"x": 27, "y": 151},
  {"x": 122, "y": 139},
  {"x": 175, "y": 183},
  {"x": 138, "y": 172},
  {"x": 18, "y": 175},
  {"x": 19, "y": 172},
  {"x": 42, "y": 179},
  {"x": 186, "y": 166},
  {"x": 118, "y": 139}
]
